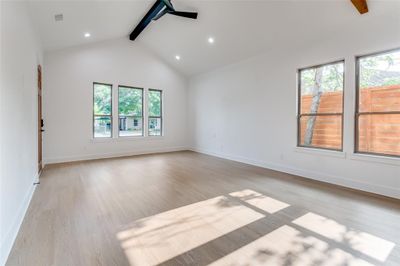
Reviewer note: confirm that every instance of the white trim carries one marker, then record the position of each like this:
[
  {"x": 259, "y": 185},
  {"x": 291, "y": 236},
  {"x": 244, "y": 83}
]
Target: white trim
[
  {"x": 126, "y": 138},
  {"x": 375, "y": 158},
  {"x": 117, "y": 136},
  {"x": 12, "y": 233},
  {"x": 111, "y": 155},
  {"x": 337, "y": 154},
  {"x": 373, "y": 188},
  {"x": 145, "y": 112}
]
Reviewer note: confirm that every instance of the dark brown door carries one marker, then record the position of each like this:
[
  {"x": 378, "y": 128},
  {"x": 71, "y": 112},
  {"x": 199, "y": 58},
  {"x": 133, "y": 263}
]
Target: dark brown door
[{"x": 40, "y": 119}]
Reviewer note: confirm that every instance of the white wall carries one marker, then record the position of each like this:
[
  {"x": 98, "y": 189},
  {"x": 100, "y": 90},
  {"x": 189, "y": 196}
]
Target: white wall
[
  {"x": 247, "y": 111},
  {"x": 68, "y": 96},
  {"x": 20, "y": 55}
]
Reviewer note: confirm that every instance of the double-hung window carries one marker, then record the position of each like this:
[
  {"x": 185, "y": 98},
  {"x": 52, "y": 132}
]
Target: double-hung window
[
  {"x": 320, "y": 106},
  {"x": 378, "y": 104},
  {"x": 102, "y": 110},
  {"x": 130, "y": 111},
  {"x": 155, "y": 112},
  {"x": 132, "y": 116}
]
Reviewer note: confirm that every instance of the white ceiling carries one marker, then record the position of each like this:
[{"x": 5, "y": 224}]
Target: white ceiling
[{"x": 241, "y": 28}]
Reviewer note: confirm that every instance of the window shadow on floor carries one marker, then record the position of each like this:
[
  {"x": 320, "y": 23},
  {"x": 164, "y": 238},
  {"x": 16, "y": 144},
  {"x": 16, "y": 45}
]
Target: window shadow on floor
[{"x": 245, "y": 227}]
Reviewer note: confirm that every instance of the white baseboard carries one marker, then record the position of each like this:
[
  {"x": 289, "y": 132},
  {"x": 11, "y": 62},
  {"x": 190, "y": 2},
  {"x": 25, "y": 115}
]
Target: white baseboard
[
  {"x": 12, "y": 233},
  {"x": 372, "y": 188},
  {"x": 111, "y": 155}
]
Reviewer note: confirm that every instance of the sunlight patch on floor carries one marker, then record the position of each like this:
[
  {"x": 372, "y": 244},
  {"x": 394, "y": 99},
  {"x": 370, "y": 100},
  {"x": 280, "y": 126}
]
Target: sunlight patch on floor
[
  {"x": 260, "y": 201},
  {"x": 160, "y": 237},
  {"x": 288, "y": 246},
  {"x": 365, "y": 243}
]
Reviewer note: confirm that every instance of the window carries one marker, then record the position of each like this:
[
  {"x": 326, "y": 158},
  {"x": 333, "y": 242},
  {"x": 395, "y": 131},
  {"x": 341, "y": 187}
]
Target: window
[
  {"x": 131, "y": 114},
  {"x": 320, "y": 106},
  {"x": 155, "y": 112},
  {"x": 378, "y": 104},
  {"x": 130, "y": 111},
  {"x": 102, "y": 110}
]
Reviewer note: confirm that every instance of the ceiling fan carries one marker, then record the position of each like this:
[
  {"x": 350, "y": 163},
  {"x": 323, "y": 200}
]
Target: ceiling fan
[{"x": 159, "y": 9}]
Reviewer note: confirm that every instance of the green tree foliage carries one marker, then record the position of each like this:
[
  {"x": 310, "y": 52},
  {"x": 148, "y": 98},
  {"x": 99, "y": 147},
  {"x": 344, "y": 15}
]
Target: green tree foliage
[
  {"x": 381, "y": 70},
  {"x": 332, "y": 79},
  {"x": 102, "y": 99},
  {"x": 130, "y": 101},
  {"x": 154, "y": 103}
]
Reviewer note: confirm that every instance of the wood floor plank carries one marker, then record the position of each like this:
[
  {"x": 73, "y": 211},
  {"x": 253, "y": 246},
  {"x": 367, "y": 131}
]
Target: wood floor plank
[{"x": 82, "y": 213}]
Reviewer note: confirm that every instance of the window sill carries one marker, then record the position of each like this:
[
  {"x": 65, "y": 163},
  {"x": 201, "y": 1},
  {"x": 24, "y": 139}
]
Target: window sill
[
  {"x": 100, "y": 140},
  {"x": 313, "y": 151},
  {"x": 127, "y": 138},
  {"x": 375, "y": 158}
]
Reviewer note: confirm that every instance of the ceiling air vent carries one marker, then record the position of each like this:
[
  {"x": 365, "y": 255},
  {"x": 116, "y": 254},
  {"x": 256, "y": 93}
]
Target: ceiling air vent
[{"x": 59, "y": 17}]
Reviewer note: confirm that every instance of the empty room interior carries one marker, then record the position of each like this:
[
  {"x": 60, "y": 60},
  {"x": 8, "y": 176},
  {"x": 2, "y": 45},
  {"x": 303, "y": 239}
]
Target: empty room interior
[{"x": 191, "y": 132}]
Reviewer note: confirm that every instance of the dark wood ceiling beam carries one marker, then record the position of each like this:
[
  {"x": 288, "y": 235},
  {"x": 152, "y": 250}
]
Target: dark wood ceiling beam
[{"x": 361, "y": 5}]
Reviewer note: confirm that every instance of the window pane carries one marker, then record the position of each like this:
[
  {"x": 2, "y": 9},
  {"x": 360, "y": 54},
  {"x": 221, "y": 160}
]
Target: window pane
[
  {"x": 130, "y": 126},
  {"x": 154, "y": 126},
  {"x": 154, "y": 103},
  {"x": 379, "y": 134},
  {"x": 102, "y": 127},
  {"x": 379, "y": 81},
  {"x": 130, "y": 101},
  {"x": 102, "y": 99},
  {"x": 321, "y": 131},
  {"x": 321, "y": 89}
]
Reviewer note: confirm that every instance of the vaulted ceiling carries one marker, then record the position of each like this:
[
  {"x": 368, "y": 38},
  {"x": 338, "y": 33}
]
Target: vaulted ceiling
[{"x": 241, "y": 29}]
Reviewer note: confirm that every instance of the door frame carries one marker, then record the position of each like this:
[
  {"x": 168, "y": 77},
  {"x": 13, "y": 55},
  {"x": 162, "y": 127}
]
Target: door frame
[{"x": 40, "y": 119}]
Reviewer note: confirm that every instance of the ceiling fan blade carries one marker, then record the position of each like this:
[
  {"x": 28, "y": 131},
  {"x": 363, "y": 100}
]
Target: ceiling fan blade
[
  {"x": 154, "y": 10},
  {"x": 192, "y": 15},
  {"x": 162, "y": 13},
  {"x": 168, "y": 4}
]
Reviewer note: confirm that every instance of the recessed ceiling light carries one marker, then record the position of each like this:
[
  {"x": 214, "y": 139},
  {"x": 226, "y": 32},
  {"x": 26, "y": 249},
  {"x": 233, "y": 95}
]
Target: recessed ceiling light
[
  {"x": 210, "y": 40},
  {"x": 87, "y": 35},
  {"x": 177, "y": 57}
]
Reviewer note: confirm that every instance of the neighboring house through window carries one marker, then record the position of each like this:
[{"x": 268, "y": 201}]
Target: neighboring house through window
[
  {"x": 130, "y": 111},
  {"x": 155, "y": 123}
]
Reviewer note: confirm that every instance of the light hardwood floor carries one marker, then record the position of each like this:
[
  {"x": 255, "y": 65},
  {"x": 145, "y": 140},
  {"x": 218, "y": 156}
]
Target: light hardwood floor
[{"x": 185, "y": 208}]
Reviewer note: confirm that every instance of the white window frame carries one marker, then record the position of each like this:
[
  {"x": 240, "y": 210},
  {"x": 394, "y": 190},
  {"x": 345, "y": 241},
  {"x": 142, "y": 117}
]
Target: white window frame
[{"x": 143, "y": 114}]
